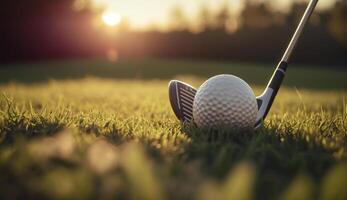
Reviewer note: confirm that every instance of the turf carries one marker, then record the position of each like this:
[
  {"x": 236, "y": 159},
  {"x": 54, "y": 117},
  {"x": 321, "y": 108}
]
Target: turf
[
  {"x": 301, "y": 76},
  {"x": 98, "y": 138}
]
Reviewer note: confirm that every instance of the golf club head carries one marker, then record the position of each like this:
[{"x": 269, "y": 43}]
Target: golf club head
[{"x": 182, "y": 98}]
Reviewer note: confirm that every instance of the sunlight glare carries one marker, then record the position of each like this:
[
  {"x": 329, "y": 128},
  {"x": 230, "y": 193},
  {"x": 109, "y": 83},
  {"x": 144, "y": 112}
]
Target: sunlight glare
[
  {"x": 111, "y": 18},
  {"x": 136, "y": 11}
]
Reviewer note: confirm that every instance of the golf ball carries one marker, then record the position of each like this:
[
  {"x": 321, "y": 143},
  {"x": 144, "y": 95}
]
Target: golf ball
[{"x": 225, "y": 101}]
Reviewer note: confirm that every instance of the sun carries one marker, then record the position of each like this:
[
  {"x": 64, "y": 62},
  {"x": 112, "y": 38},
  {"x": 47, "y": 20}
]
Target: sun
[{"x": 111, "y": 18}]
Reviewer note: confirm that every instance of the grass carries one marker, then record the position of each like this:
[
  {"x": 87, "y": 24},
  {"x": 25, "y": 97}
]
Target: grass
[
  {"x": 99, "y": 138},
  {"x": 148, "y": 69}
]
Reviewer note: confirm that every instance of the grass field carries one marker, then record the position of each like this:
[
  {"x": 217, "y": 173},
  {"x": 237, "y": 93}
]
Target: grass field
[{"x": 96, "y": 130}]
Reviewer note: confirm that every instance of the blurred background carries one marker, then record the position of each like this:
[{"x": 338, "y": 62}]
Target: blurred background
[{"x": 236, "y": 30}]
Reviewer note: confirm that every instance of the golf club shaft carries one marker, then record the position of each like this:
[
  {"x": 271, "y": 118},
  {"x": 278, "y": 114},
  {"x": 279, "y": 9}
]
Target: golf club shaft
[
  {"x": 266, "y": 99},
  {"x": 277, "y": 78},
  {"x": 309, "y": 10}
]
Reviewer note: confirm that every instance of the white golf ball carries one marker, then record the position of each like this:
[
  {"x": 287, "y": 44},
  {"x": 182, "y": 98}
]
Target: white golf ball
[{"x": 225, "y": 101}]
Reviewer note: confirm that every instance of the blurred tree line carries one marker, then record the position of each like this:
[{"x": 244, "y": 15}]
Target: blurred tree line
[{"x": 49, "y": 29}]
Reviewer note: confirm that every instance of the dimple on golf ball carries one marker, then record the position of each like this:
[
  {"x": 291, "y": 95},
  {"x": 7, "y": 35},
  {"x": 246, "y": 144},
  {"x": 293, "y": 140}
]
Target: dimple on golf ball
[{"x": 225, "y": 101}]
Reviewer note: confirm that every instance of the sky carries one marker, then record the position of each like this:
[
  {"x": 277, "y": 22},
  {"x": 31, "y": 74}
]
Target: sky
[{"x": 148, "y": 13}]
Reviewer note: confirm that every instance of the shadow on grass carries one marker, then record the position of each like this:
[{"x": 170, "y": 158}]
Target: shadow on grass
[
  {"x": 277, "y": 156},
  {"x": 22, "y": 127}
]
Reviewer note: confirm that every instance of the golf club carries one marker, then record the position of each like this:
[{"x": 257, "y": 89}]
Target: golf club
[{"x": 182, "y": 95}]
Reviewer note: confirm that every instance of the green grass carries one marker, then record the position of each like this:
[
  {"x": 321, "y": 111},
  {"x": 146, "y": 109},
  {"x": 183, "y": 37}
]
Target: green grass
[
  {"x": 97, "y": 138},
  {"x": 323, "y": 77}
]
